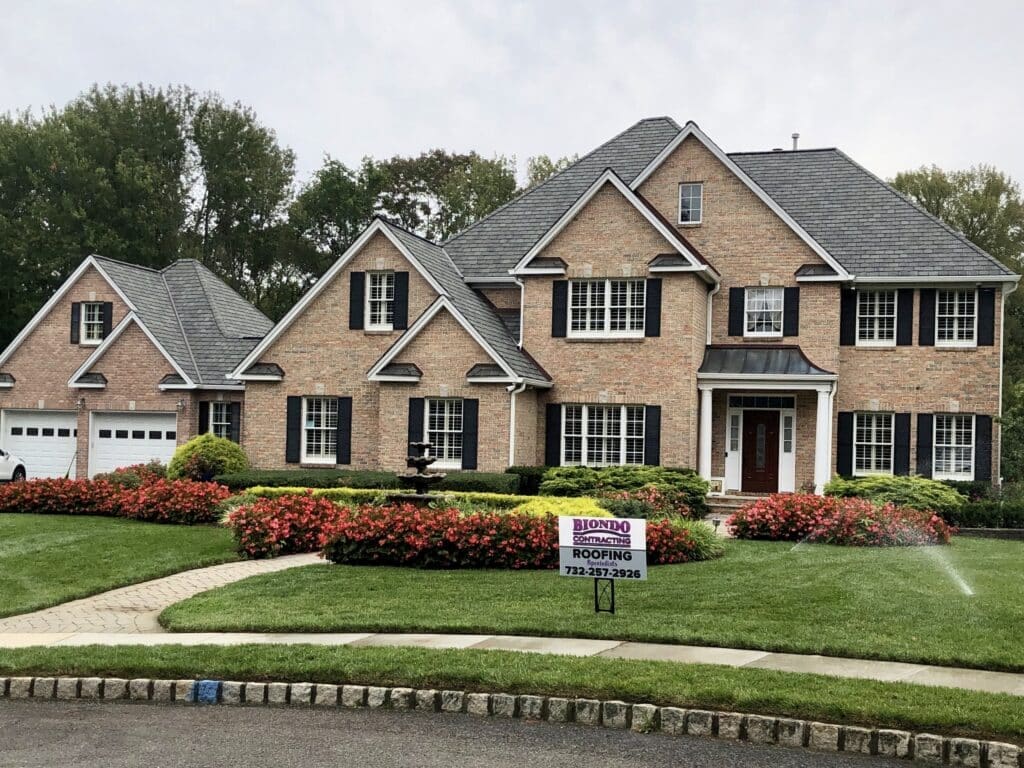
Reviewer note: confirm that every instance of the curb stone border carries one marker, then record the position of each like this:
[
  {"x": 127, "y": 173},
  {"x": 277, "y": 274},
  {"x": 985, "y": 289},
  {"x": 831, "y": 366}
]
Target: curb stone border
[{"x": 620, "y": 715}]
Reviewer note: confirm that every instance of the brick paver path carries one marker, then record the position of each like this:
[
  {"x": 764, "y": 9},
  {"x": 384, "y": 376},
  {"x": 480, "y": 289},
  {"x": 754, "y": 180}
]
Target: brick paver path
[{"x": 135, "y": 608}]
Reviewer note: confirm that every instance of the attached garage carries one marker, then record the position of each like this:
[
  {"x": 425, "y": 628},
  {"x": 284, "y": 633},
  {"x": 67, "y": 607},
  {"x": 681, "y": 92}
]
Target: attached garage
[
  {"x": 121, "y": 439},
  {"x": 45, "y": 440}
]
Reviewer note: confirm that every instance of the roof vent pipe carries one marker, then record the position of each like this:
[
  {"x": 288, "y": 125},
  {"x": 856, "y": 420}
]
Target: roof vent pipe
[
  {"x": 776, "y": 149},
  {"x": 796, "y": 138}
]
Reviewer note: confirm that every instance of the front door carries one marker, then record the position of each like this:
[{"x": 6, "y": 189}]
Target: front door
[{"x": 761, "y": 451}]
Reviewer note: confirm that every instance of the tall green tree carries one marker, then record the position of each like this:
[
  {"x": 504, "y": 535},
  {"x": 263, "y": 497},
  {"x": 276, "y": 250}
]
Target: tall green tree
[{"x": 540, "y": 168}]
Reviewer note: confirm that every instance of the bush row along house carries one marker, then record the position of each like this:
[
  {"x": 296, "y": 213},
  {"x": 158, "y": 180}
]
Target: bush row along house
[{"x": 770, "y": 318}]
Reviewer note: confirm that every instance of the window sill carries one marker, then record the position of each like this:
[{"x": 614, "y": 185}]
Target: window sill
[
  {"x": 95, "y": 343},
  {"x": 689, "y": 224},
  {"x": 604, "y": 339},
  {"x": 310, "y": 464},
  {"x": 877, "y": 345},
  {"x": 955, "y": 346}
]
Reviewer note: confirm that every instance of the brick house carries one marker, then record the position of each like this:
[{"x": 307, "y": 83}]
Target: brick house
[{"x": 123, "y": 364}]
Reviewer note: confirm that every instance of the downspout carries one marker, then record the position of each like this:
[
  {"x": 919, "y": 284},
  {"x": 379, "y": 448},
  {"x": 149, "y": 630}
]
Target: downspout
[
  {"x": 711, "y": 296},
  {"x": 513, "y": 390},
  {"x": 522, "y": 309},
  {"x": 1002, "y": 346}
]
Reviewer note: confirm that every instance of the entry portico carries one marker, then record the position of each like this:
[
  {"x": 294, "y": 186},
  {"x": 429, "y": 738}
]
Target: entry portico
[{"x": 769, "y": 396}]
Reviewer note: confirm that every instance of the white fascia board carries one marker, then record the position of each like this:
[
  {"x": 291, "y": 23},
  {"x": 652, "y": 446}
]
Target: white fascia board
[
  {"x": 87, "y": 386},
  {"x": 255, "y": 377},
  {"x": 6, "y": 385},
  {"x": 90, "y": 261},
  {"x": 691, "y": 129},
  {"x": 168, "y": 387},
  {"x": 421, "y": 322},
  {"x": 925, "y": 281},
  {"x": 825, "y": 279},
  {"x": 677, "y": 269},
  {"x": 285, "y": 322},
  {"x": 397, "y": 379},
  {"x": 541, "y": 271},
  {"x": 490, "y": 380},
  {"x": 608, "y": 177},
  {"x": 710, "y": 380}
]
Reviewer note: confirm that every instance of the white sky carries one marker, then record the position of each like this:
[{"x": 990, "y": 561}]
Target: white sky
[{"x": 894, "y": 84}]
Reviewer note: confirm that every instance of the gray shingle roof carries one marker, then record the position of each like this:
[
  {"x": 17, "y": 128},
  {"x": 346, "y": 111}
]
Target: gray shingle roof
[
  {"x": 205, "y": 326},
  {"x": 868, "y": 227},
  {"x": 484, "y": 371},
  {"x": 92, "y": 378},
  {"x": 401, "y": 369},
  {"x": 6, "y": 378},
  {"x": 756, "y": 359}
]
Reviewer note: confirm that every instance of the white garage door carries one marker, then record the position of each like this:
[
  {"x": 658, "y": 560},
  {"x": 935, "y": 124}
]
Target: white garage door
[
  {"x": 45, "y": 440},
  {"x": 122, "y": 439}
]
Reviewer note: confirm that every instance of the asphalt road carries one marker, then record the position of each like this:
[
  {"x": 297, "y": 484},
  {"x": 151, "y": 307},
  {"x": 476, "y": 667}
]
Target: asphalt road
[{"x": 57, "y": 734}]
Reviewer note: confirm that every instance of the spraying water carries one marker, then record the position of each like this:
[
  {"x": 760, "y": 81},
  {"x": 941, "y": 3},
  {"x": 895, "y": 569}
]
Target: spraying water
[{"x": 941, "y": 558}]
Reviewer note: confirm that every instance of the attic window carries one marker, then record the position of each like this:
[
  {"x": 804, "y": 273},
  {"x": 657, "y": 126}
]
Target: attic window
[
  {"x": 92, "y": 323},
  {"x": 691, "y": 202}
]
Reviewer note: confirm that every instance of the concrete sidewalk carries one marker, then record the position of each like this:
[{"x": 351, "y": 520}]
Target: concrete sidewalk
[{"x": 887, "y": 671}]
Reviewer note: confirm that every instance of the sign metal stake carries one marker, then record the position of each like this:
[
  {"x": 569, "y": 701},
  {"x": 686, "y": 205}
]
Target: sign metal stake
[{"x": 604, "y": 595}]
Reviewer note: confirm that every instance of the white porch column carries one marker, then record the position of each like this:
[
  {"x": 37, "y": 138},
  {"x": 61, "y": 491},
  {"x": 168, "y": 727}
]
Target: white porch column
[
  {"x": 823, "y": 440},
  {"x": 704, "y": 449}
]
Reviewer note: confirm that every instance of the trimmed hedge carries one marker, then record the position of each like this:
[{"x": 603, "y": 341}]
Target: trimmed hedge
[
  {"x": 901, "y": 490},
  {"x": 988, "y": 513},
  {"x": 205, "y": 456},
  {"x": 530, "y": 478},
  {"x": 608, "y": 481},
  {"x": 491, "y": 482}
]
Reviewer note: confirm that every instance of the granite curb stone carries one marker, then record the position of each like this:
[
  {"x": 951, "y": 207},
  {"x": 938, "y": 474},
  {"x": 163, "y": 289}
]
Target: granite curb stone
[{"x": 353, "y": 695}]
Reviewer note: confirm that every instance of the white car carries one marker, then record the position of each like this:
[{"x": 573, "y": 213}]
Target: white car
[{"x": 11, "y": 467}]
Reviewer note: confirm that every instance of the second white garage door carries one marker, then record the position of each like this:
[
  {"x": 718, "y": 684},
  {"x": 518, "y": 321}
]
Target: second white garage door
[{"x": 123, "y": 439}]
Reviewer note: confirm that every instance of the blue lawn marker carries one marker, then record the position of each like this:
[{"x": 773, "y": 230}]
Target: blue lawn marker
[{"x": 206, "y": 691}]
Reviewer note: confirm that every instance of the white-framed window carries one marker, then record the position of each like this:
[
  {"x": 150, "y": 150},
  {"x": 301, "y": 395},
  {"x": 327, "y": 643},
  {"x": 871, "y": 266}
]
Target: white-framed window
[
  {"x": 956, "y": 317},
  {"x": 91, "y": 331},
  {"x": 602, "y": 435},
  {"x": 380, "y": 301},
  {"x": 876, "y": 318},
  {"x": 954, "y": 446},
  {"x": 787, "y": 433},
  {"x": 872, "y": 443},
  {"x": 320, "y": 430},
  {"x": 763, "y": 312},
  {"x": 691, "y": 202},
  {"x": 734, "y": 432},
  {"x": 600, "y": 308},
  {"x": 444, "y": 431},
  {"x": 220, "y": 419}
]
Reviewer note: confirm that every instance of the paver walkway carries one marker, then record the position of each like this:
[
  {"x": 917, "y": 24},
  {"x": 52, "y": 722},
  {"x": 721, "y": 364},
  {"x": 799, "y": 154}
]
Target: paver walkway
[{"x": 135, "y": 608}]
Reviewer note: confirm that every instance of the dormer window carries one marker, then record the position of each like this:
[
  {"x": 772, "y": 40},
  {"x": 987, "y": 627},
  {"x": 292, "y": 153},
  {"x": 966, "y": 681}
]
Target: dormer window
[
  {"x": 691, "y": 203},
  {"x": 92, "y": 322}
]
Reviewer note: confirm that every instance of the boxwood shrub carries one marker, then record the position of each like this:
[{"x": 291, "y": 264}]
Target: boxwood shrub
[
  {"x": 903, "y": 491},
  {"x": 987, "y": 513},
  {"x": 492, "y": 482},
  {"x": 530, "y": 478},
  {"x": 205, "y": 456},
  {"x": 606, "y": 481}
]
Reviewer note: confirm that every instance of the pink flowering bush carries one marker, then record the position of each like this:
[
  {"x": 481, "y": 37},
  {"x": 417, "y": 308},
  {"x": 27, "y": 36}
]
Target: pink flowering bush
[
  {"x": 283, "y": 525},
  {"x": 60, "y": 497},
  {"x": 650, "y": 502},
  {"x": 832, "y": 520},
  {"x": 184, "y": 502}
]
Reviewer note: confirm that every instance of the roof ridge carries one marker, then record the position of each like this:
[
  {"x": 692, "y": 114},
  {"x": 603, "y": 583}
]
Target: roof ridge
[
  {"x": 129, "y": 264},
  {"x": 184, "y": 336},
  {"x": 783, "y": 151},
  {"x": 555, "y": 175}
]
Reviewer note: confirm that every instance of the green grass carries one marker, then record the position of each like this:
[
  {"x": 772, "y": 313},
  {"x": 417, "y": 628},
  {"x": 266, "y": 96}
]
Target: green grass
[
  {"x": 899, "y": 604},
  {"x": 864, "y": 702},
  {"x": 49, "y": 559}
]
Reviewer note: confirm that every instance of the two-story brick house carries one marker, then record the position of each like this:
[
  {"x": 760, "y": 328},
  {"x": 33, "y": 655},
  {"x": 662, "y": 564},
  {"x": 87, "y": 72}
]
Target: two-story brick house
[{"x": 770, "y": 318}]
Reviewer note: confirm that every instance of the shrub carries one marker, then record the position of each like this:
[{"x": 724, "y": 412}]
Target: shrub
[
  {"x": 587, "y": 481},
  {"x": 902, "y": 491},
  {"x": 648, "y": 502},
  {"x": 836, "y": 520},
  {"x": 185, "y": 502},
  {"x": 559, "y": 506},
  {"x": 203, "y": 457},
  {"x": 988, "y": 513},
  {"x": 135, "y": 475},
  {"x": 493, "y": 482},
  {"x": 972, "y": 490},
  {"x": 530, "y": 478},
  {"x": 60, "y": 497},
  {"x": 284, "y": 525}
]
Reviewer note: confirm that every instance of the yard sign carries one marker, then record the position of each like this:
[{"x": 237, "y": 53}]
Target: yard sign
[{"x": 604, "y": 549}]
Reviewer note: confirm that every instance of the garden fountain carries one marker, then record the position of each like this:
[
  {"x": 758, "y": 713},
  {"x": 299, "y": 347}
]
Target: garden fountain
[{"x": 419, "y": 480}]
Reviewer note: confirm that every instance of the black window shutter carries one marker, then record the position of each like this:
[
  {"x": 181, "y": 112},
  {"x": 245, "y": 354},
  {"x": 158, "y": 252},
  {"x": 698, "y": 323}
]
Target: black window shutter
[
  {"x": 559, "y": 308},
  {"x": 416, "y": 435},
  {"x": 737, "y": 297},
  {"x": 904, "y": 317},
  {"x": 235, "y": 422},
  {"x": 401, "y": 306},
  {"x": 924, "y": 441},
  {"x": 983, "y": 448},
  {"x": 844, "y": 444},
  {"x": 652, "y": 308},
  {"x": 293, "y": 431},
  {"x": 356, "y": 297},
  {"x": 344, "y": 436},
  {"x": 76, "y": 321},
  {"x": 791, "y": 312},
  {"x": 108, "y": 317},
  {"x": 470, "y": 432},
  {"x": 652, "y": 435},
  {"x": 204, "y": 418},
  {"x": 847, "y": 317},
  {"x": 553, "y": 435},
  {"x": 986, "y": 317},
  {"x": 901, "y": 444},
  {"x": 926, "y": 330}
]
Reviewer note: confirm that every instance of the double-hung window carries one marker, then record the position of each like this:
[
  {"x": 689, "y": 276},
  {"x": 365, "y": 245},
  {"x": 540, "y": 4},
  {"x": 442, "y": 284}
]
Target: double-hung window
[
  {"x": 876, "y": 318},
  {"x": 220, "y": 419},
  {"x": 691, "y": 202},
  {"x": 956, "y": 315},
  {"x": 444, "y": 431},
  {"x": 320, "y": 430},
  {"x": 606, "y": 308},
  {"x": 92, "y": 323},
  {"x": 763, "y": 312},
  {"x": 380, "y": 301},
  {"x": 872, "y": 444},
  {"x": 954, "y": 446},
  {"x": 602, "y": 435}
]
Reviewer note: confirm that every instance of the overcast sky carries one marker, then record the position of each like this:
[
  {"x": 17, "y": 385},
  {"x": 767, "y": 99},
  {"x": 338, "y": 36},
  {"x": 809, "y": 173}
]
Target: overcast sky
[{"x": 894, "y": 84}]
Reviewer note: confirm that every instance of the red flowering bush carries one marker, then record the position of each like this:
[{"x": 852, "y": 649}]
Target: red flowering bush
[
  {"x": 185, "y": 502},
  {"x": 832, "y": 520},
  {"x": 283, "y": 525},
  {"x": 649, "y": 502},
  {"x": 60, "y": 497}
]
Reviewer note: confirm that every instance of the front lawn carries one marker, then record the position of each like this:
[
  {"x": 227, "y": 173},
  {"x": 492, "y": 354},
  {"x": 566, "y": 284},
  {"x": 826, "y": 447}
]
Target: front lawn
[
  {"x": 864, "y": 702},
  {"x": 961, "y": 604},
  {"x": 50, "y": 559}
]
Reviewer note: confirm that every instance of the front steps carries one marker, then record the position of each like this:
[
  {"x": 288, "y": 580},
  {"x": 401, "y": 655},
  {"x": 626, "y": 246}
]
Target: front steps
[{"x": 725, "y": 505}]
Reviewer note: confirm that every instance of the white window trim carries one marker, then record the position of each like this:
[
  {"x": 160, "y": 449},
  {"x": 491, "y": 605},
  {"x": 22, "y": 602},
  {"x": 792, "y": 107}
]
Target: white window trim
[
  {"x": 746, "y": 311},
  {"x": 439, "y": 462},
  {"x": 892, "y": 444},
  {"x": 623, "y": 416},
  {"x": 691, "y": 223},
  {"x": 954, "y": 343},
  {"x": 895, "y": 320},
  {"x": 306, "y": 458},
  {"x": 974, "y": 447},
  {"x": 82, "y": 324},
  {"x": 607, "y": 333},
  {"x": 366, "y": 302},
  {"x": 212, "y": 426}
]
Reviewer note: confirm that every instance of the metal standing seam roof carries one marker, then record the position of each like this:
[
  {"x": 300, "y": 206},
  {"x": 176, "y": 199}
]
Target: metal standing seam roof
[{"x": 753, "y": 360}]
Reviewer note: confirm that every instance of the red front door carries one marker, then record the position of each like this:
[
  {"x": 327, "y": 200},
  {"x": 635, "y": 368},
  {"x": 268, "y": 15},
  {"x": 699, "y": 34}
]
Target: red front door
[{"x": 761, "y": 451}]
